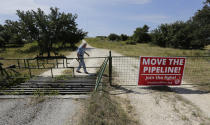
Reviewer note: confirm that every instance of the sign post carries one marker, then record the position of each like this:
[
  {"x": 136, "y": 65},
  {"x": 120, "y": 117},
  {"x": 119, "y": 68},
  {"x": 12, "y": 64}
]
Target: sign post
[{"x": 161, "y": 71}]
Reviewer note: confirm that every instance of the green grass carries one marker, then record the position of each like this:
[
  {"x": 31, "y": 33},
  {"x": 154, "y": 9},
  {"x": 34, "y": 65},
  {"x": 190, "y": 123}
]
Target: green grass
[{"x": 197, "y": 70}]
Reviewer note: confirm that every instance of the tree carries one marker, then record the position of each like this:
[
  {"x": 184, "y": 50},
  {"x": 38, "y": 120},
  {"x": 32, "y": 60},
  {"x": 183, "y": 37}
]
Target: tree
[
  {"x": 1, "y": 36},
  {"x": 12, "y": 33},
  {"x": 2, "y": 42},
  {"x": 54, "y": 28},
  {"x": 28, "y": 27},
  {"x": 114, "y": 37},
  {"x": 177, "y": 35},
  {"x": 202, "y": 21},
  {"x": 141, "y": 34},
  {"x": 207, "y": 2},
  {"x": 124, "y": 37}
]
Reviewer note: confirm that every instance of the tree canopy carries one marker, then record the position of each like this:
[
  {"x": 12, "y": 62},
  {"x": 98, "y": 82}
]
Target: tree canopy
[
  {"x": 141, "y": 34},
  {"x": 114, "y": 37}
]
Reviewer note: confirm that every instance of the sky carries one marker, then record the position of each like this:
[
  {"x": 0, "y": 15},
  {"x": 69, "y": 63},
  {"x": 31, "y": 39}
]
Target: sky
[{"x": 102, "y": 17}]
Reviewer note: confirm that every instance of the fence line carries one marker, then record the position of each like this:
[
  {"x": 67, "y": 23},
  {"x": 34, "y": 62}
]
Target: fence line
[
  {"x": 43, "y": 64},
  {"x": 123, "y": 70},
  {"x": 126, "y": 70}
]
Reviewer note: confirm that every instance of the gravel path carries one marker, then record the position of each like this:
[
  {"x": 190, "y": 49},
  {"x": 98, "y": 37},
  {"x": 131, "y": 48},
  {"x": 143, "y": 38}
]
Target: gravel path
[{"x": 31, "y": 111}]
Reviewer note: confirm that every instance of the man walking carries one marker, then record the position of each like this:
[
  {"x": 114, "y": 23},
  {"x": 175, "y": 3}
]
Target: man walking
[{"x": 80, "y": 55}]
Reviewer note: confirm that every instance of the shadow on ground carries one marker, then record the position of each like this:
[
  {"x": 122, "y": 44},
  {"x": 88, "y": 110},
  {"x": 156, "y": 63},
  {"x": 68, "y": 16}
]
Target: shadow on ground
[{"x": 137, "y": 90}]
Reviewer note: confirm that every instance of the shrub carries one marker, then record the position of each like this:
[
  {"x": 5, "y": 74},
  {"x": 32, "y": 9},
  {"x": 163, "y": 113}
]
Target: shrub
[
  {"x": 114, "y": 37},
  {"x": 124, "y": 37}
]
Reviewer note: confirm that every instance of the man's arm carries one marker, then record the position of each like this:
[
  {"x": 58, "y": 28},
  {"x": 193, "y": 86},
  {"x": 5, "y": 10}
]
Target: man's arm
[{"x": 87, "y": 53}]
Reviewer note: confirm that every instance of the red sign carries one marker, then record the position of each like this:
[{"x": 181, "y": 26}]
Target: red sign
[{"x": 161, "y": 71}]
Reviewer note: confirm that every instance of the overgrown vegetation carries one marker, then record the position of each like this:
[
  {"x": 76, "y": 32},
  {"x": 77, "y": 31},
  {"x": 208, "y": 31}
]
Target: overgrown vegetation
[
  {"x": 9, "y": 77},
  {"x": 102, "y": 109}
]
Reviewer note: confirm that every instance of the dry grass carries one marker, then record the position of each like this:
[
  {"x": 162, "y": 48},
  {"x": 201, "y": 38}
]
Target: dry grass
[
  {"x": 144, "y": 49},
  {"x": 102, "y": 109}
]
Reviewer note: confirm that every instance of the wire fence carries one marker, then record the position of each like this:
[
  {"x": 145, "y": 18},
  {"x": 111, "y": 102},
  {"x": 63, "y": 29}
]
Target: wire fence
[
  {"x": 126, "y": 70},
  {"x": 34, "y": 66}
]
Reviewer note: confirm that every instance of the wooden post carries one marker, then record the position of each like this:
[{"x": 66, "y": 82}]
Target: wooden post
[
  {"x": 29, "y": 69},
  {"x": 66, "y": 63},
  {"x": 63, "y": 63},
  {"x": 37, "y": 61},
  {"x": 52, "y": 72},
  {"x": 73, "y": 72},
  {"x": 57, "y": 62},
  {"x": 18, "y": 63},
  {"x": 24, "y": 63}
]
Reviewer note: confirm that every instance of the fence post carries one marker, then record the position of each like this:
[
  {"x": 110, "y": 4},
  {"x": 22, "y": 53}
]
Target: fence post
[
  {"x": 37, "y": 61},
  {"x": 29, "y": 69},
  {"x": 56, "y": 62},
  {"x": 63, "y": 63},
  {"x": 110, "y": 68},
  {"x": 73, "y": 72},
  {"x": 24, "y": 63},
  {"x": 66, "y": 63},
  {"x": 18, "y": 63},
  {"x": 51, "y": 72}
]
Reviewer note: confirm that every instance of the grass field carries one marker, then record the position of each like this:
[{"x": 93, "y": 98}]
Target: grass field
[
  {"x": 144, "y": 49},
  {"x": 197, "y": 68}
]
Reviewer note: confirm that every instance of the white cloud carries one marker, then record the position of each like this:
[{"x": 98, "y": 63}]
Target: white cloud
[{"x": 10, "y": 6}]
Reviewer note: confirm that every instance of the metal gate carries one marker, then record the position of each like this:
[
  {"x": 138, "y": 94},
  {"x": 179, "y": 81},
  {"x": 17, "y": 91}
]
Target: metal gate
[{"x": 27, "y": 76}]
